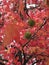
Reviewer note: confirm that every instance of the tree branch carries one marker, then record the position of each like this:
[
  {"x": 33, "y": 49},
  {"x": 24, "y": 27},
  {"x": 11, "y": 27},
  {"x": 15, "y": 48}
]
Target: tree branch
[
  {"x": 37, "y": 61},
  {"x": 34, "y": 35}
]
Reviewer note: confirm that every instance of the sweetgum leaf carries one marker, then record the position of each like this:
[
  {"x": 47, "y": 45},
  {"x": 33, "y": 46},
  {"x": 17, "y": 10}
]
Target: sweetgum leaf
[{"x": 11, "y": 33}]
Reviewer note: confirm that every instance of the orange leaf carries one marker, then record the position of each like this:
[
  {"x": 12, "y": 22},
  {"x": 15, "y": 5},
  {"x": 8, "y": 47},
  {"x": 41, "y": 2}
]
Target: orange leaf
[{"x": 11, "y": 33}]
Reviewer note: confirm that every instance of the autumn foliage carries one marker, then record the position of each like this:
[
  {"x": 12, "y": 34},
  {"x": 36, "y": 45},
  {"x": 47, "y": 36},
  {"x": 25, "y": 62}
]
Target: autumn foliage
[{"x": 24, "y": 33}]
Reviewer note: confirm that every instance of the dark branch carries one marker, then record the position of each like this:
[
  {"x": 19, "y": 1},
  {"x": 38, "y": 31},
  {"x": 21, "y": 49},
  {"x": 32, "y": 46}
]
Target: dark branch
[
  {"x": 1, "y": 24},
  {"x": 3, "y": 59},
  {"x": 37, "y": 61},
  {"x": 34, "y": 35},
  {"x": 1, "y": 63},
  {"x": 33, "y": 55}
]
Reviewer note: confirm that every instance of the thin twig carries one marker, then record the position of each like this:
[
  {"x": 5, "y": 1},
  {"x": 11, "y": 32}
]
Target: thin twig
[
  {"x": 32, "y": 37},
  {"x": 37, "y": 61}
]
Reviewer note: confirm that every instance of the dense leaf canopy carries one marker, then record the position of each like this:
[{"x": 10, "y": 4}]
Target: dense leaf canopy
[{"x": 24, "y": 32}]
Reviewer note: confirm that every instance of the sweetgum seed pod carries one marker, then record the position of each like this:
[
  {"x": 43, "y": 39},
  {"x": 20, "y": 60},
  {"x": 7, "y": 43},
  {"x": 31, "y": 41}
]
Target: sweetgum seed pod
[
  {"x": 27, "y": 35},
  {"x": 31, "y": 22}
]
